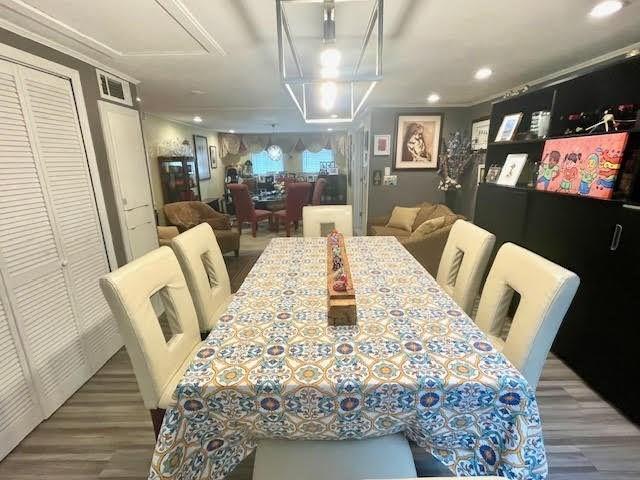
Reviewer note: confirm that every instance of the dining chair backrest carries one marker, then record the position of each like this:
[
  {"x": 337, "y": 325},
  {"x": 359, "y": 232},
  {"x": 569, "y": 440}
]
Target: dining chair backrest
[
  {"x": 242, "y": 201},
  {"x": 297, "y": 197},
  {"x": 318, "y": 190},
  {"x": 319, "y": 221},
  {"x": 546, "y": 291},
  {"x": 128, "y": 291},
  {"x": 464, "y": 262},
  {"x": 205, "y": 272}
]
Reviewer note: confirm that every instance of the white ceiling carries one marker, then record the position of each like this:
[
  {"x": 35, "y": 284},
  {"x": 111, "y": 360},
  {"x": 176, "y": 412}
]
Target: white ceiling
[{"x": 227, "y": 49}]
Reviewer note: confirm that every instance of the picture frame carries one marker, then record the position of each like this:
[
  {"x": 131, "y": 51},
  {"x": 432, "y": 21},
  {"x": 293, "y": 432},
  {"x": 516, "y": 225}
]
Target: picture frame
[
  {"x": 382, "y": 145},
  {"x": 512, "y": 169},
  {"x": 481, "y": 170},
  {"x": 213, "y": 156},
  {"x": 377, "y": 178},
  {"x": 493, "y": 173},
  {"x": 201, "y": 152},
  {"x": 480, "y": 133},
  {"x": 418, "y": 139},
  {"x": 508, "y": 127}
]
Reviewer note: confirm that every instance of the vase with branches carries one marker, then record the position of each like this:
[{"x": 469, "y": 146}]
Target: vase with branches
[{"x": 455, "y": 160}]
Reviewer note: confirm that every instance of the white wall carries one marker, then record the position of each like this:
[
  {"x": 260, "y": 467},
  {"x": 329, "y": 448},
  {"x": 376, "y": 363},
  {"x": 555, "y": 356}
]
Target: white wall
[{"x": 156, "y": 130}]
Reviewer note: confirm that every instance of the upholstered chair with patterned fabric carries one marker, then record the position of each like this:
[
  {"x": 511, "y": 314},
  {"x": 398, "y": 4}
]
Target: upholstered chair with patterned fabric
[
  {"x": 205, "y": 272},
  {"x": 245, "y": 211},
  {"x": 464, "y": 262},
  {"x": 546, "y": 291},
  {"x": 318, "y": 221},
  {"x": 297, "y": 197},
  {"x": 318, "y": 190},
  {"x": 186, "y": 215},
  {"x": 158, "y": 364},
  {"x": 382, "y": 457}
]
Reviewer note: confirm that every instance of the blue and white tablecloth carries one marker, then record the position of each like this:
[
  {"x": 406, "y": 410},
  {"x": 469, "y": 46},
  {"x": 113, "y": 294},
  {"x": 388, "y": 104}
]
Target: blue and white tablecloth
[{"x": 415, "y": 363}]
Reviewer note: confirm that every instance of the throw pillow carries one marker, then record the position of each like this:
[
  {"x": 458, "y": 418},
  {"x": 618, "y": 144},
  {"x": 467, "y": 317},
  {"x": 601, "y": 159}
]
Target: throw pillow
[
  {"x": 434, "y": 224},
  {"x": 403, "y": 218}
]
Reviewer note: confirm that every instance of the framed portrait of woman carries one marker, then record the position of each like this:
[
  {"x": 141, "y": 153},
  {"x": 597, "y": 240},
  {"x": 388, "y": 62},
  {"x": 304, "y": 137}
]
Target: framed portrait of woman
[{"x": 418, "y": 141}]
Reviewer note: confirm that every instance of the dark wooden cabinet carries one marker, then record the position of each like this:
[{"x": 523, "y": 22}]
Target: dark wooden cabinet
[{"x": 600, "y": 333}]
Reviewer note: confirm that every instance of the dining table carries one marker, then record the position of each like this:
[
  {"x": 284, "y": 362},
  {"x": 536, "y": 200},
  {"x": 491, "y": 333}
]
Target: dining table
[{"x": 414, "y": 363}]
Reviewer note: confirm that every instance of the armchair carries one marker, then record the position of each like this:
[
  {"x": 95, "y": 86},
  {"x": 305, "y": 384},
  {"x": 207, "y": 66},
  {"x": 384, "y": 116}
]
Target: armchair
[{"x": 186, "y": 215}]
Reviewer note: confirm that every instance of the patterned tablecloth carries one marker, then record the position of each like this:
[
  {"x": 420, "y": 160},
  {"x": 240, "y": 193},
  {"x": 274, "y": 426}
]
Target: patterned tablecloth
[{"x": 415, "y": 363}]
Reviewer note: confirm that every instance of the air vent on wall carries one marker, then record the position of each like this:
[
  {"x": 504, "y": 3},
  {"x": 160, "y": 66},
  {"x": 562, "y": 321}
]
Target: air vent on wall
[{"x": 114, "y": 88}]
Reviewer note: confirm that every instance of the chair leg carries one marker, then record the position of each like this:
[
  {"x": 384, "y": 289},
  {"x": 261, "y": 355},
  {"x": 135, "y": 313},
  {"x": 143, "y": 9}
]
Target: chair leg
[
  {"x": 239, "y": 227},
  {"x": 157, "y": 416},
  {"x": 254, "y": 228},
  {"x": 236, "y": 252},
  {"x": 288, "y": 227},
  {"x": 277, "y": 221},
  {"x": 295, "y": 225}
]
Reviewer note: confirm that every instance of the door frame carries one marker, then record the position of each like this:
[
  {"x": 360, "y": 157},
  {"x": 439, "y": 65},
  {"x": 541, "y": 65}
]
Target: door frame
[{"x": 33, "y": 61}]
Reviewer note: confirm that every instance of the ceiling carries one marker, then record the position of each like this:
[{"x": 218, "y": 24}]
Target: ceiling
[{"x": 225, "y": 50}]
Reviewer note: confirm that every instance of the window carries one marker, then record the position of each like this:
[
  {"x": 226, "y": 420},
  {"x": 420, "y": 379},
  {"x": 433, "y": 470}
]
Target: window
[
  {"x": 263, "y": 164},
  {"x": 311, "y": 162}
]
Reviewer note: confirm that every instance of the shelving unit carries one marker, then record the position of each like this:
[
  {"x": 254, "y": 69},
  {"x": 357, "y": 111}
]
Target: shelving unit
[
  {"x": 600, "y": 333},
  {"x": 613, "y": 85}
]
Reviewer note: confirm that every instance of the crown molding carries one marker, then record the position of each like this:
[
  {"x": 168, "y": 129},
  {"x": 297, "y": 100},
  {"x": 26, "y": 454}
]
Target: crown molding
[{"x": 23, "y": 32}]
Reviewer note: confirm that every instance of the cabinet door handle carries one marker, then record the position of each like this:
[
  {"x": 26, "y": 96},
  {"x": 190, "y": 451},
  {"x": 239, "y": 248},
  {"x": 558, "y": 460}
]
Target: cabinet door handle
[{"x": 615, "y": 240}]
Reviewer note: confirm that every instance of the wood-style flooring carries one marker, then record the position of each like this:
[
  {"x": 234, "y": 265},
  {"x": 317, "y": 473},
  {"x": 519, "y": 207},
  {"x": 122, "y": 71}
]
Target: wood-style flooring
[{"x": 104, "y": 432}]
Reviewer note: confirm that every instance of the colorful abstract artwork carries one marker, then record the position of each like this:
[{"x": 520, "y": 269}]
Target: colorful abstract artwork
[{"x": 587, "y": 166}]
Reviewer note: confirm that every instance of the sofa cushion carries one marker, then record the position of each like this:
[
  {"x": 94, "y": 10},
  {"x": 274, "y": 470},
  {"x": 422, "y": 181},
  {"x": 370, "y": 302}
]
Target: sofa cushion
[
  {"x": 403, "y": 218},
  {"x": 425, "y": 213},
  {"x": 434, "y": 224},
  {"x": 382, "y": 231}
]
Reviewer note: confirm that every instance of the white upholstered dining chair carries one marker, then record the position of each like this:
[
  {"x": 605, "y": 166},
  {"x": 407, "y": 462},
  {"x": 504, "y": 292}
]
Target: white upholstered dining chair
[
  {"x": 464, "y": 262},
  {"x": 382, "y": 457},
  {"x": 158, "y": 364},
  {"x": 318, "y": 221},
  {"x": 206, "y": 273},
  {"x": 546, "y": 291}
]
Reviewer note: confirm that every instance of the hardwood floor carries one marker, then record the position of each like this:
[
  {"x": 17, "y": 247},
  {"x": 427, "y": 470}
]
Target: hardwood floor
[{"x": 104, "y": 432}]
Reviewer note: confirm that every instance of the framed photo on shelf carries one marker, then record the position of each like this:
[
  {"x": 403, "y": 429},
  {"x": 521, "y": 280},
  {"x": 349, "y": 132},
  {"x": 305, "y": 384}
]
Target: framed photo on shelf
[
  {"x": 480, "y": 133},
  {"x": 417, "y": 142},
  {"x": 481, "y": 170},
  {"x": 508, "y": 127},
  {"x": 382, "y": 144},
  {"x": 202, "y": 156},
  {"x": 512, "y": 169},
  {"x": 213, "y": 156},
  {"x": 493, "y": 173}
]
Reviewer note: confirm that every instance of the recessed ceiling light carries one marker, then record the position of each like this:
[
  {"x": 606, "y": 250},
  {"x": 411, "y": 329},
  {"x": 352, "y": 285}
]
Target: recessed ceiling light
[
  {"x": 433, "y": 98},
  {"x": 606, "y": 8},
  {"x": 483, "y": 73},
  {"x": 633, "y": 53},
  {"x": 330, "y": 129},
  {"x": 334, "y": 115},
  {"x": 197, "y": 92},
  {"x": 232, "y": 131},
  {"x": 197, "y": 119}
]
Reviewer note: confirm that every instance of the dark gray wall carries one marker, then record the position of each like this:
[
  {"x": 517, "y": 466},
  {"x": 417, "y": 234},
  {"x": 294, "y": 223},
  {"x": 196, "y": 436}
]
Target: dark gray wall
[
  {"x": 467, "y": 202},
  {"x": 413, "y": 187},
  {"x": 91, "y": 96}
]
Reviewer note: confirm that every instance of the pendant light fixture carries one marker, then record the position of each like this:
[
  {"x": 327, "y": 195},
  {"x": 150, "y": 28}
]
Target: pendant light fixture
[
  {"x": 274, "y": 151},
  {"x": 335, "y": 91}
]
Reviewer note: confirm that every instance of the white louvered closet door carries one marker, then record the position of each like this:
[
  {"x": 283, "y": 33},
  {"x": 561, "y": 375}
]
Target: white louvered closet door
[
  {"x": 51, "y": 247},
  {"x": 57, "y": 134},
  {"x": 31, "y": 259},
  {"x": 18, "y": 402}
]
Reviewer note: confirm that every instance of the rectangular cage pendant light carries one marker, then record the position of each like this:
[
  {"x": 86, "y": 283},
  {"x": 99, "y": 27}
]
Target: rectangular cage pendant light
[{"x": 341, "y": 97}]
